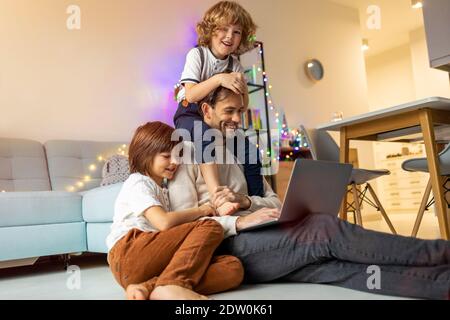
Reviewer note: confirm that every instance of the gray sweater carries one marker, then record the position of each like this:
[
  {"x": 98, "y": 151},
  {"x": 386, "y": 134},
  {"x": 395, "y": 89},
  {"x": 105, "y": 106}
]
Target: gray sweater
[{"x": 188, "y": 190}]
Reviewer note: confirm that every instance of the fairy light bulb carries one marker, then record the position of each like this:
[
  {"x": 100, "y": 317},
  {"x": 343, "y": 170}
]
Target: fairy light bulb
[
  {"x": 100, "y": 158},
  {"x": 92, "y": 167},
  {"x": 80, "y": 184},
  {"x": 87, "y": 178}
]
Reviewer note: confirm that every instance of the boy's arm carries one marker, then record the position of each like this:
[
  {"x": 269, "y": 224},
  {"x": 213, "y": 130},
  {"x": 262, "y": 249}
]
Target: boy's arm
[
  {"x": 163, "y": 220},
  {"x": 196, "y": 92},
  {"x": 210, "y": 174}
]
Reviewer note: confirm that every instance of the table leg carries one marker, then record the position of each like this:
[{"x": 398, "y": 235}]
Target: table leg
[
  {"x": 426, "y": 123},
  {"x": 344, "y": 158}
]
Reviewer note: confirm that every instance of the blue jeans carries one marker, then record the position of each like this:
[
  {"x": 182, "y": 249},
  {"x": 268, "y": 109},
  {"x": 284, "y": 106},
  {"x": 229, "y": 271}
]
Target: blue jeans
[
  {"x": 324, "y": 249},
  {"x": 185, "y": 117}
]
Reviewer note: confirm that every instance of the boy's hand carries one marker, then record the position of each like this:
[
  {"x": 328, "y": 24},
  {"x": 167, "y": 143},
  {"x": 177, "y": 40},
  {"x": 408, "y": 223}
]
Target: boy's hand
[
  {"x": 224, "y": 194},
  {"x": 228, "y": 209},
  {"x": 207, "y": 210},
  {"x": 234, "y": 81}
]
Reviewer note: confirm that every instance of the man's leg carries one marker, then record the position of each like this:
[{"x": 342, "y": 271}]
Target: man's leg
[
  {"x": 351, "y": 242},
  {"x": 418, "y": 282},
  {"x": 270, "y": 253}
]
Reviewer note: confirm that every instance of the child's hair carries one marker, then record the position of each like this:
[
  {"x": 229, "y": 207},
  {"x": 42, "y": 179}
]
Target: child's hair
[
  {"x": 222, "y": 13},
  {"x": 149, "y": 140},
  {"x": 219, "y": 94}
]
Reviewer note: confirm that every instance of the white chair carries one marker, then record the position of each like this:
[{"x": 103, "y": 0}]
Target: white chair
[
  {"x": 421, "y": 165},
  {"x": 323, "y": 147}
]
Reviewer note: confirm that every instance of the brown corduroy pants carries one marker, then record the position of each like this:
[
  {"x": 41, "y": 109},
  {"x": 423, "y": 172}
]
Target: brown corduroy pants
[{"x": 182, "y": 255}]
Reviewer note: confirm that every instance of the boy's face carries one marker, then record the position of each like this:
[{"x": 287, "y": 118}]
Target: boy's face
[
  {"x": 164, "y": 165},
  {"x": 226, "y": 40},
  {"x": 226, "y": 115}
]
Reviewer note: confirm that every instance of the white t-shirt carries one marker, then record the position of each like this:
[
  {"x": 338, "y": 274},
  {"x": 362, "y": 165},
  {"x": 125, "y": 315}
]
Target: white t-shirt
[
  {"x": 138, "y": 193},
  {"x": 193, "y": 72}
]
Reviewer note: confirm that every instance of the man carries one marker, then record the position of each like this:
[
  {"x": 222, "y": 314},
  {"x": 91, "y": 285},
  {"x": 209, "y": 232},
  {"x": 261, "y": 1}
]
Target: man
[{"x": 319, "y": 249}]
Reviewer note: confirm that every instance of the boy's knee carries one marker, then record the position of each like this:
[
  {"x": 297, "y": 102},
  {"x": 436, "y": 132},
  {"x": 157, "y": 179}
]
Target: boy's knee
[
  {"x": 212, "y": 225},
  {"x": 235, "y": 270}
]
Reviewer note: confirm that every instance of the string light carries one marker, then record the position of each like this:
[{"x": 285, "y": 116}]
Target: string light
[
  {"x": 93, "y": 167},
  {"x": 3, "y": 190}
]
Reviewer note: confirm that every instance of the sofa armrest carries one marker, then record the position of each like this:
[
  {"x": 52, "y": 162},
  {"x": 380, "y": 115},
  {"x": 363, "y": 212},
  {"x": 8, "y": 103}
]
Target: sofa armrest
[{"x": 98, "y": 203}]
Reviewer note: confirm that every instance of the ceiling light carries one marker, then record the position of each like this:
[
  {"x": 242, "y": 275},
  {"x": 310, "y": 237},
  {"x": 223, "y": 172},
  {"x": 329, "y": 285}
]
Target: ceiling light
[
  {"x": 365, "y": 45},
  {"x": 416, "y": 4}
]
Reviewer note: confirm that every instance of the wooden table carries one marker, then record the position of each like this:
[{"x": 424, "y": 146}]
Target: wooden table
[{"x": 394, "y": 124}]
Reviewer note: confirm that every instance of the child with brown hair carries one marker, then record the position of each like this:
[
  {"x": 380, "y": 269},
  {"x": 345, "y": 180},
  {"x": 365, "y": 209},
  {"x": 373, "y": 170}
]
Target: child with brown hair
[
  {"x": 226, "y": 29},
  {"x": 154, "y": 252}
]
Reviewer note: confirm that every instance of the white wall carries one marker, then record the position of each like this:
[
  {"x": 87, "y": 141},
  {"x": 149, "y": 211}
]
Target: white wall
[
  {"x": 403, "y": 74},
  {"x": 428, "y": 81},
  {"x": 118, "y": 71},
  {"x": 390, "y": 78}
]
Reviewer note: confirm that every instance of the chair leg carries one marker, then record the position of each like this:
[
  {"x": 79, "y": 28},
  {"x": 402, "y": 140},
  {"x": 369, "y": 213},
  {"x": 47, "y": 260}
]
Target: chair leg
[
  {"x": 422, "y": 208},
  {"x": 357, "y": 208},
  {"x": 383, "y": 212}
]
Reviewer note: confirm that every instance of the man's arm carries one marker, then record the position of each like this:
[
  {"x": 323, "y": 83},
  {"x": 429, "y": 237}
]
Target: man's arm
[
  {"x": 185, "y": 192},
  {"x": 270, "y": 199},
  {"x": 248, "y": 203}
]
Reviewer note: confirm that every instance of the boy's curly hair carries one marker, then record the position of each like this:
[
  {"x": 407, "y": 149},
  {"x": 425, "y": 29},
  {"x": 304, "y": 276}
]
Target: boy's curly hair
[{"x": 227, "y": 12}]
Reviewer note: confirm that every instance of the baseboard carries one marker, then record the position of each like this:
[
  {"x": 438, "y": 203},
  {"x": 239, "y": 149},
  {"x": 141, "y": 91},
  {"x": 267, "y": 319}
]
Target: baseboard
[{"x": 18, "y": 263}]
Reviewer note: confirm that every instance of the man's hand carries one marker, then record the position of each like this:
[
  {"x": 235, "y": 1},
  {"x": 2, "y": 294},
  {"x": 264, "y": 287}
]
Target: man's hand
[
  {"x": 256, "y": 218},
  {"x": 225, "y": 194}
]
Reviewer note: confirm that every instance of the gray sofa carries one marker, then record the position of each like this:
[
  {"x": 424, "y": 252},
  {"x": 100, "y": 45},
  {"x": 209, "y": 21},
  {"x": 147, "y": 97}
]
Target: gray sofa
[{"x": 50, "y": 199}]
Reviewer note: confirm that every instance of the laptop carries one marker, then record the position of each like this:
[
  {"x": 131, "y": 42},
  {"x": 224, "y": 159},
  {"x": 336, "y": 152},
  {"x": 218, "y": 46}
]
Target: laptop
[{"x": 314, "y": 187}]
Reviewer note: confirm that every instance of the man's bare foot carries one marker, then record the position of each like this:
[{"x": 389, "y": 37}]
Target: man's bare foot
[
  {"x": 137, "y": 292},
  {"x": 228, "y": 208},
  {"x": 172, "y": 292}
]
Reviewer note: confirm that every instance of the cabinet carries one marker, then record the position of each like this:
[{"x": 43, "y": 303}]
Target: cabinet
[
  {"x": 436, "y": 16},
  {"x": 401, "y": 190}
]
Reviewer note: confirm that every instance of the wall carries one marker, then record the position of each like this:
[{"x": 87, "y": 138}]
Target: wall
[
  {"x": 428, "y": 81},
  {"x": 403, "y": 74},
  {"x": 390, "y": 78},
  {"x": 118, "y": 71}
]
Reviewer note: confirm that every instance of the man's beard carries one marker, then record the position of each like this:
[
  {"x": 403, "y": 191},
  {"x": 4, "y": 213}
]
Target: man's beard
[{"x": 228, "y": 128}]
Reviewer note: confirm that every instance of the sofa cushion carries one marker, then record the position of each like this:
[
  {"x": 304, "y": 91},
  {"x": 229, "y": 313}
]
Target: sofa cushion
[
  {"x": 42, "y": 240},
  {"x": 77, "y": 165},
  {"x": 96, "y": 236},
  {"x": 39, "y": 207},
  {"x": 23, "y": 166},
  {"x": 98, "y": 203}
]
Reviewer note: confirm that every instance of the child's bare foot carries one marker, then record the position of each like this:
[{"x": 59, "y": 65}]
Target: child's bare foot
[
  {"x": 137, "y": 292},
  {"x": 228, "y": 208},
  {"x": 172, "y": 292}
]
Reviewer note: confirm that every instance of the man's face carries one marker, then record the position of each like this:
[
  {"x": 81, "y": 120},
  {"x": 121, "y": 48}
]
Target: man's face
[{"x": 226, "y": 116}]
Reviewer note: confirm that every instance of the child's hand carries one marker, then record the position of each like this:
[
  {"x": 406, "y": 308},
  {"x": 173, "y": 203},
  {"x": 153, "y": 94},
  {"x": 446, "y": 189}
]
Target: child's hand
[
  {"x": 234, "y": 81},
  {"x": 228, "y": 208},
  {"x": 207, "y": 210}
]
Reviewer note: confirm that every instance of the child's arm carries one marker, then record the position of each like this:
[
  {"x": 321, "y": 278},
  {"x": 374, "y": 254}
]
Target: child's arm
[
  {"x": 163, "y": 220},
  {"x": 233, "y": 81},
  {"x": 210, "y": 173},
  {"x": 196, "y": 92}
]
